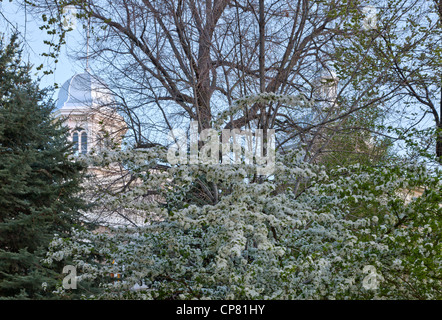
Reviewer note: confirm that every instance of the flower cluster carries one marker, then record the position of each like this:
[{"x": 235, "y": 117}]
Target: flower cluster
[{"x": 220, "y": 232}]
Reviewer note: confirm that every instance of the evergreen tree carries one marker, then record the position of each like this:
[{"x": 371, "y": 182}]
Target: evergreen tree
[{"x": 39, "y": 183}]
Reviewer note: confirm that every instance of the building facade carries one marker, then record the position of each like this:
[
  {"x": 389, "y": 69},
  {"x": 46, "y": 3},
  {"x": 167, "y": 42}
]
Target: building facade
[{"x": 88, "y": 106}]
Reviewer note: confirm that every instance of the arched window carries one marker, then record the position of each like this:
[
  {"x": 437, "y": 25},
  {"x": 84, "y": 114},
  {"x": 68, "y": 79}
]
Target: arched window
[
  {"x": 84, "y": 143},
  {"x": 79, "y": 138},
  {"x": 75, "y": 140}
]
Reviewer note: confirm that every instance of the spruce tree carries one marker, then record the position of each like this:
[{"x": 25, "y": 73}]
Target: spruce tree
[{"x": 39, "y": 181}]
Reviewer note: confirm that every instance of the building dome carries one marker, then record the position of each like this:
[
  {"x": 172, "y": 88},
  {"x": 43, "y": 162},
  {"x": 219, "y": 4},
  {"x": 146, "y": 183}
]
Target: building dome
[
  {"x": 82, "y": 91},
  {"x": 89, "y": 108}
]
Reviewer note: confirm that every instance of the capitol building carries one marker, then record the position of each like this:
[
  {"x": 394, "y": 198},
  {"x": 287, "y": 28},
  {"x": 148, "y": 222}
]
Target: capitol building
[{"x": 88, "y": 108}]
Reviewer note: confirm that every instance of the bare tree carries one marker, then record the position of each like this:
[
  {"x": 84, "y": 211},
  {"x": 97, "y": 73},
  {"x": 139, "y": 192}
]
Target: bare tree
[{"x": 174, "y": 61}]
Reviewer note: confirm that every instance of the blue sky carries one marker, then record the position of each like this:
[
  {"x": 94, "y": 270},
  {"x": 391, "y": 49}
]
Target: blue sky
[{"x": 12, "y": 17}]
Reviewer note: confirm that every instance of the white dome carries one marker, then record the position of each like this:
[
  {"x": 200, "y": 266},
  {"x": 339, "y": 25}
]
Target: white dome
[{"x": 83, "y": 91}]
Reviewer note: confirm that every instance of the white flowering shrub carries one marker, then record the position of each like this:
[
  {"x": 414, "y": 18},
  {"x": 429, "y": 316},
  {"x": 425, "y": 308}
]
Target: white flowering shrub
[{"x": 301, "y": 233}]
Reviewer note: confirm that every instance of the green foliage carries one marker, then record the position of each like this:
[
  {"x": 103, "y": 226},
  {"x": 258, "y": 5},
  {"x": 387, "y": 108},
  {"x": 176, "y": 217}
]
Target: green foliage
[
  {"x": 398, "y": 65},
  {"x": 38, "y": 180}
]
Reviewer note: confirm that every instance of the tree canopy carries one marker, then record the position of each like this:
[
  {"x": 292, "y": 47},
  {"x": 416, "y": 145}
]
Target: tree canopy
[{"x": 39, "y": 182}]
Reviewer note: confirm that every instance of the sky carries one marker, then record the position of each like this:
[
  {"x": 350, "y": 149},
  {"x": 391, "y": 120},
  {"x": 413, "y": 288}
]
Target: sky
[{"x": 12, "y": 17}]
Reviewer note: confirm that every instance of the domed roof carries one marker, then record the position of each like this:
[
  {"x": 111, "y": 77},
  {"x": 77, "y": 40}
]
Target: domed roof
[{"x": 83, "y": 90}]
